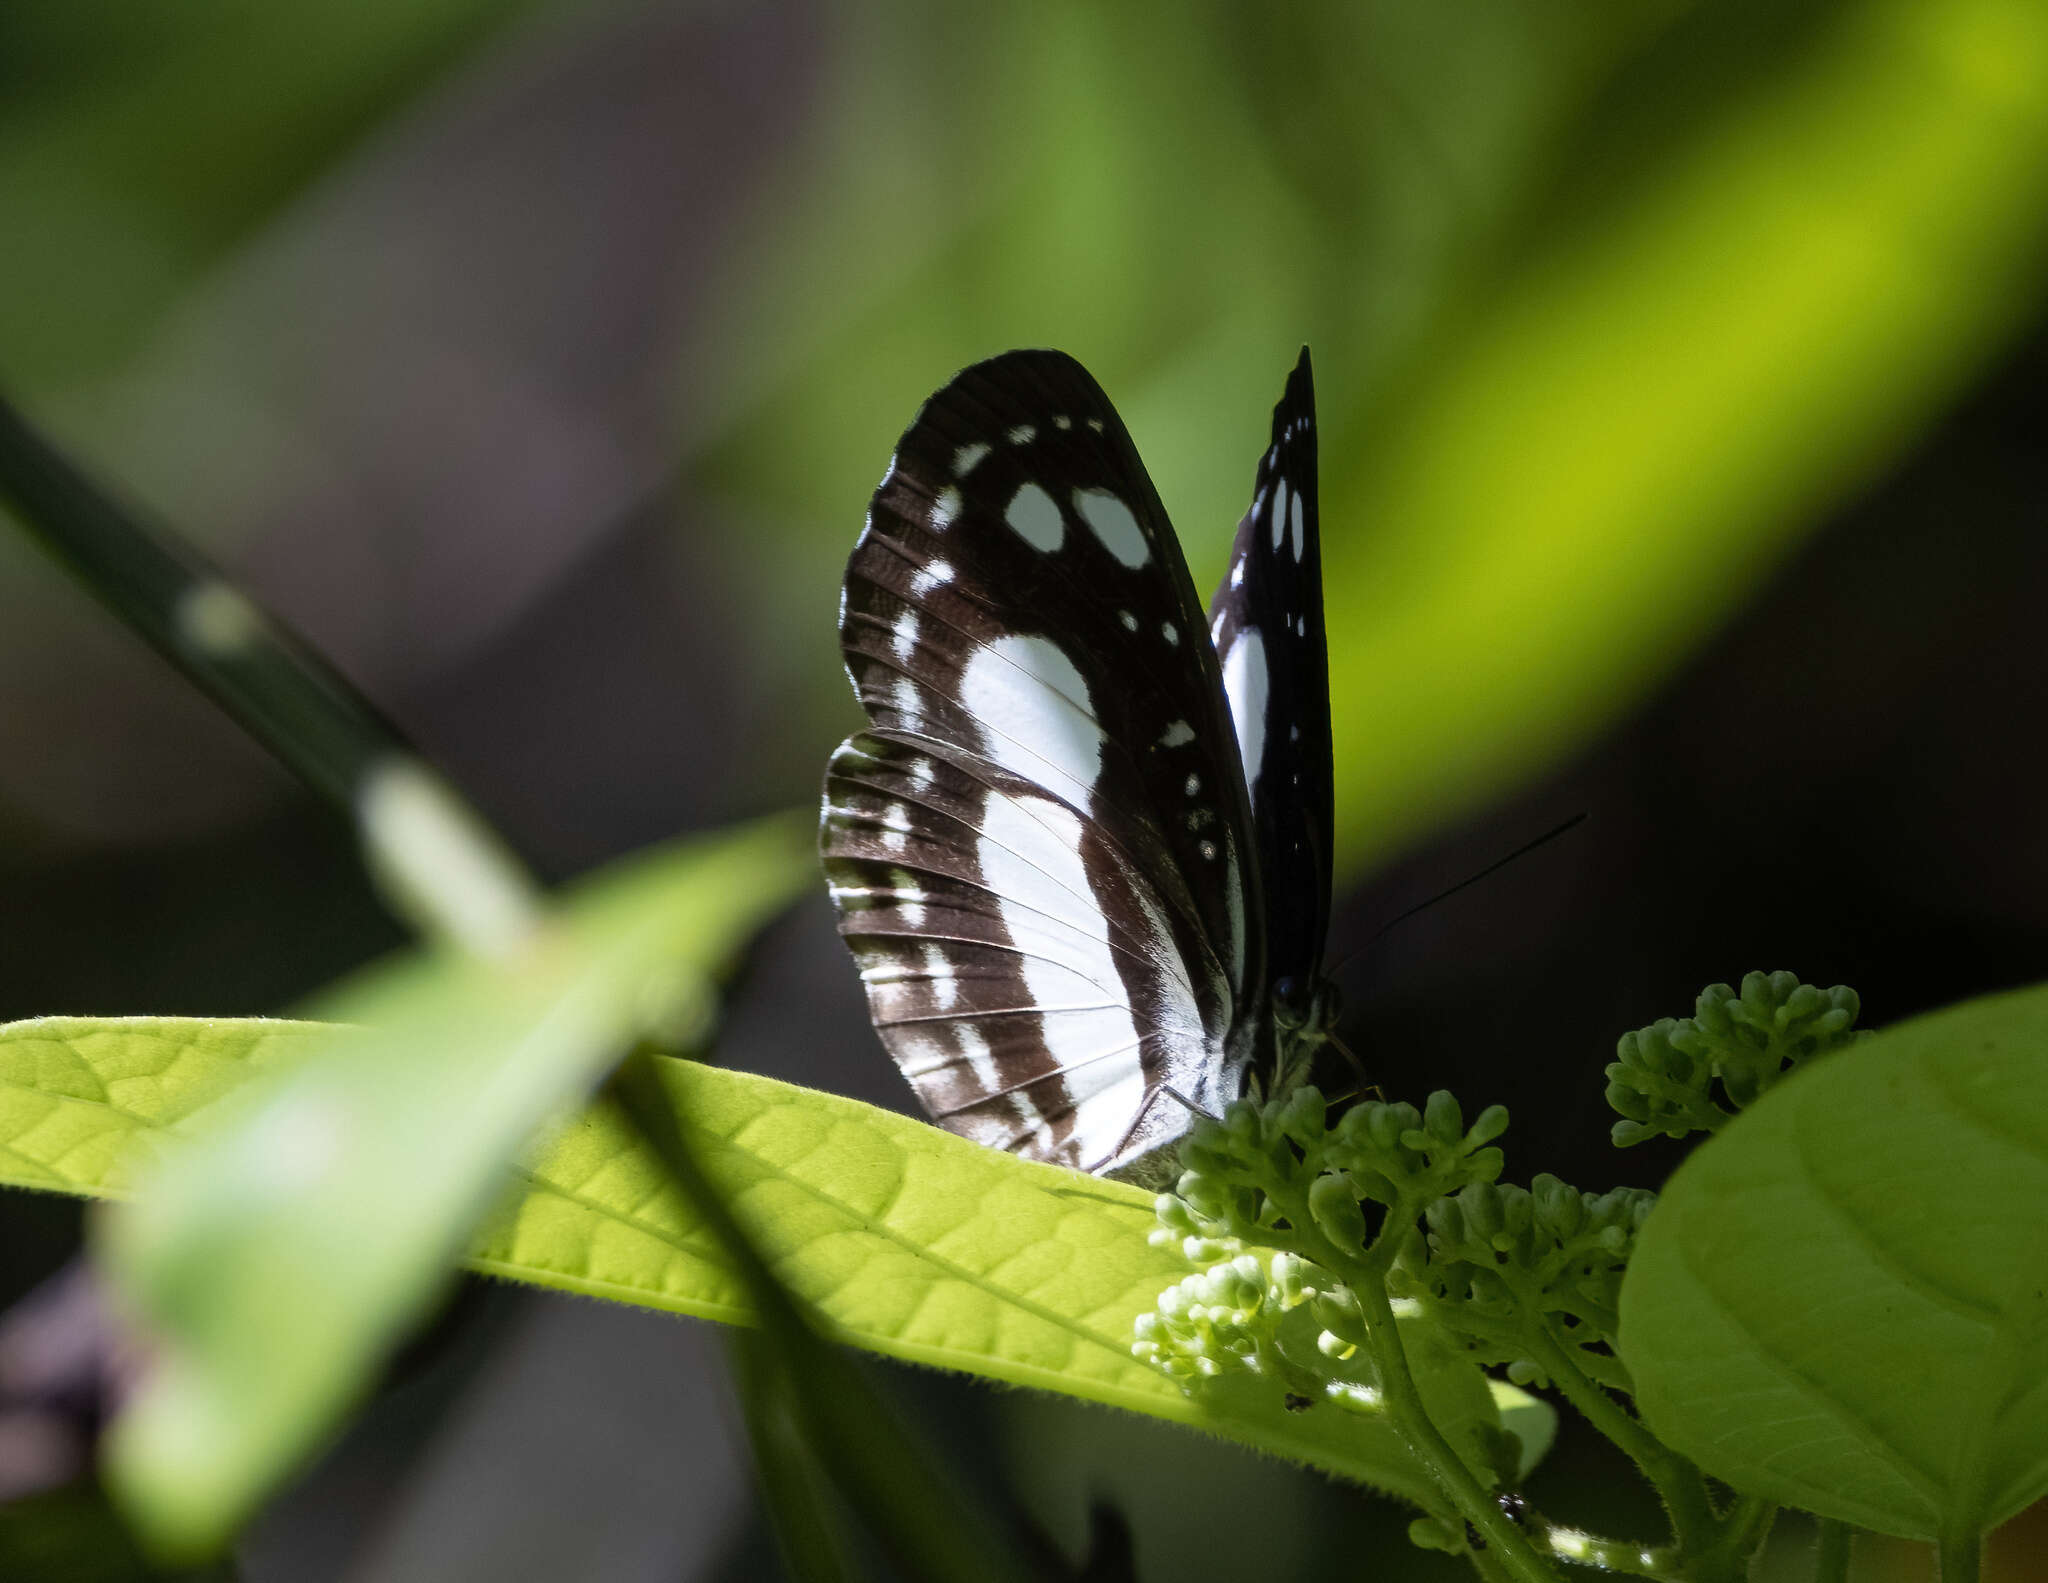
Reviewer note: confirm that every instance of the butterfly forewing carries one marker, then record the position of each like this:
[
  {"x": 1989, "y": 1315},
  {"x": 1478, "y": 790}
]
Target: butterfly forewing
[
  {"x": 1267, "y": 625},
  {"x": 1042, "y": 853}
]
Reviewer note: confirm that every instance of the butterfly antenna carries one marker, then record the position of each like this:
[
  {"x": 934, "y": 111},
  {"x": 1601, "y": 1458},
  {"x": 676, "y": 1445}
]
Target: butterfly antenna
[{"x": 1494, "y": 867}]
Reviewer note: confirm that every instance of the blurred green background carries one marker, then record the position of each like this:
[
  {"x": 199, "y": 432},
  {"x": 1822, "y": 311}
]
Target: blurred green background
[{"x": 1678, "y": 366}]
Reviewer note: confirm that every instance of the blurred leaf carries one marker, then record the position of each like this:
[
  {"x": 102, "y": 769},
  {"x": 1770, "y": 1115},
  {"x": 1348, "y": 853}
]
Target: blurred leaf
[
  {"x": 1841, "y": 1302},
  {"x": 1637, "y": 419},
  {"x": 907, "y": 1241},
  {"x": 274, "y": 1265},
  {"x": 138, "y": 143},
  {"x": 1608, "y": 303}
]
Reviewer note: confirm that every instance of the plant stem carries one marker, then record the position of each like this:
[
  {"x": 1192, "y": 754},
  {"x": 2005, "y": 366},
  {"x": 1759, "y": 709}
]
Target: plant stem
[
  {"x": 1831, "y": 1551},
  {"x": 1961, "y": 1556},
  {"x": 1610, "y": 1555},
  {"x": 1504, "y": 1539},
  {"x": 1694, "y": 1524},
  {"x": 442, "y": 866}
]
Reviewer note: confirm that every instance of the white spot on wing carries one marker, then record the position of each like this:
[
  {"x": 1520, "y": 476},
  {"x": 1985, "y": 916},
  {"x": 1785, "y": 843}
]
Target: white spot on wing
[
  {"x": 1114, "y": 525},
  {"x": 1063, "y": 422},
  {"x": 945, "y": 508},
  {"x": 1279, "y": 512},
  {"x": 981, "y": 1060},
  {"x": 904, "y": 638},
  {"x": 1245, "y": 685},
  {"x": 938, "y": 973},
  {"x": 1296, "y": 509},
  {"x": 1179, "y": 734},
  {"x": 1023, "y": 434},
  {"x": 909, "y": 899},
  {"x": 1095, "y": 424},
  {"x": 1036, "y": 519},
  {"x": 967, "y": 458},
  {"x": 1130, "y": 621},
  {"x": 1034, "y": 709},
  {"x": 907, "y": 701},
  {"x": 926, "y": 578},
  {"x": 1171, "y": 633}
]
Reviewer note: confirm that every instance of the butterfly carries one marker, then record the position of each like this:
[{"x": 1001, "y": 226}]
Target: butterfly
[{"x": 1082, "y": 854}]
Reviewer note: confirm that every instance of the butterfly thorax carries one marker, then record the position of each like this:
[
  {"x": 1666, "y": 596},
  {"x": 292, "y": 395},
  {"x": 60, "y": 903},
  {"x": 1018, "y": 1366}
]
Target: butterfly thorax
[{"x": 1305, "y": 1017}]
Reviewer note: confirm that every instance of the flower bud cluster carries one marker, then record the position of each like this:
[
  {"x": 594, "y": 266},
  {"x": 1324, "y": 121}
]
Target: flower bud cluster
[
  {"x": 1497, "y": 1258},
  {"x": 1663, "y": 1083},
  {"x": 1247, "y": 1182},
  {"x": 1243, "y": 1314}
]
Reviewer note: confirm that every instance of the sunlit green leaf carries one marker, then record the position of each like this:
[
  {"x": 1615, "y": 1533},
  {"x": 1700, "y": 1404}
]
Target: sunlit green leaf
[
  {"x": 86, "y": 1103},
  {"x": 275, "y": 1263},
  {"x": 1841, "y": 1302},
  {"x": 909, "y": 1242},
  {"x": 913, "y": 1243}
]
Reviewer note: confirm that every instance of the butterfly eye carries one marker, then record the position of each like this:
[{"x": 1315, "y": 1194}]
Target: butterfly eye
[{"x": 1290, "y": 1001}]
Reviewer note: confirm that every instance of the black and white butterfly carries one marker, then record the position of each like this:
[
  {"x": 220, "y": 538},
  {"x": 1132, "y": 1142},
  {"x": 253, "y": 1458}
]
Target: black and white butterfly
[{"x": 1083, "y": 854}]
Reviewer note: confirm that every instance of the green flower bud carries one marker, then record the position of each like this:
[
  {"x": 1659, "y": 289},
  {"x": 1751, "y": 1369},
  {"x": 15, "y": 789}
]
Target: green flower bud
[
  {"x": 1482, "y": 1209},
  {"x": 1305, "y": 1115},
  {"x": 1443, "y": 1120},
  {"x": 1492, "y": 1122},
  {"x": 1336, "y": 1210},
  {"x": 1560, "y": 1207},
  {"x": 1174, "y": 1215},
  {"x": 1335, "y": 1347},
  {"x": 1337, "y": 1312}
]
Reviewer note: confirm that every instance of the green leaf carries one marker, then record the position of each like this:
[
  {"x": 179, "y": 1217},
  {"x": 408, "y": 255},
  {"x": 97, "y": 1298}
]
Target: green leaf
[
  {"x": 908, "y": 1241},
  {"x": 274, "y": 1265},
  {"x": 87, "y": 1103},
  {"x": 1841, "y": 1302},
  {"x": 918, "y": 1245}
]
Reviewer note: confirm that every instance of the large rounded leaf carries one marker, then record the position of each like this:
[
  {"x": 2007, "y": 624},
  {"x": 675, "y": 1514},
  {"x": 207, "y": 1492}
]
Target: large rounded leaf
[{"x": 1842, "y": 1301}]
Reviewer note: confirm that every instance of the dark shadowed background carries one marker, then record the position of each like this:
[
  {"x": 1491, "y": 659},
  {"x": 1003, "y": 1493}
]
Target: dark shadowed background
[{"x": 535, "y": 361}]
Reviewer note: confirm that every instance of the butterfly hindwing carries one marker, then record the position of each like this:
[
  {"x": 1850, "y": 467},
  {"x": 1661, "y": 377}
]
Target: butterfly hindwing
[
  {"x": 1048, "y": 822},
  {"x": 1266, "y": 622},
  {"x": 1028, "y": 981}
]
